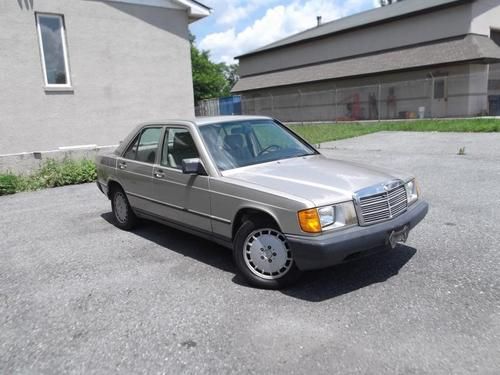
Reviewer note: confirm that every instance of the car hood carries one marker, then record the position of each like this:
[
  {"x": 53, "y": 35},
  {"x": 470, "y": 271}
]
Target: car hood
[{"x": 315, "y": 178}]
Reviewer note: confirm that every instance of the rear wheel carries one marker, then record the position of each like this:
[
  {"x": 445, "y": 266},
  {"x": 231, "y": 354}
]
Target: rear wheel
[
  {"x": 122, "y": 212},
  {"x": 263, "y": 255}
]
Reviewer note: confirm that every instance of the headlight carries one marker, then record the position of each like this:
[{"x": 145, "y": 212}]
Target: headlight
[
  {"x": 326, "y": 216},
  {"x": 315, "y": 220},
  {"x": 411, "y": 191}
]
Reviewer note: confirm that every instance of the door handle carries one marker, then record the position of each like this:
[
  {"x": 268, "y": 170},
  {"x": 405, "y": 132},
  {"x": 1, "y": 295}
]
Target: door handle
[
  {"x": 159, "y": 174},
  {"x": 122, "y": 165}
]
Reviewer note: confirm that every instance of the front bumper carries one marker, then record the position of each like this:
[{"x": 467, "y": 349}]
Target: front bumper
[{"x": 332, "y": 248}]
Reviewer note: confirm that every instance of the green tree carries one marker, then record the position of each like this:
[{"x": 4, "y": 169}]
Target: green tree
[
  {"x": 230, "y": 72},
  {"x": 210, "y": 80}
]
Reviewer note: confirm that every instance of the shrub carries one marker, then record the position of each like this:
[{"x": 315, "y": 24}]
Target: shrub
[
  {"x": 51, "y": 174},
  {"x": 8, "y": 183}
]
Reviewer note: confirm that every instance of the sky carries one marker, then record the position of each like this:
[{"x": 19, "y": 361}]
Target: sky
[{"x": 239, "y": 26}]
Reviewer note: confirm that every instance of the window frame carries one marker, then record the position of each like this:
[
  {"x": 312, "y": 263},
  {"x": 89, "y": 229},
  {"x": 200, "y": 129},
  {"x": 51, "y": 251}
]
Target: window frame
[{"x": 60, "y": 17}]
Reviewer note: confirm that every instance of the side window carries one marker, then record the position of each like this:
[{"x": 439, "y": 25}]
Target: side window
[
  {"x": 148, "y": 145},
  {"x": 132, "y": 149},
  {"x": 145, "y": 146},
  {"x": 177, "y": 145}
]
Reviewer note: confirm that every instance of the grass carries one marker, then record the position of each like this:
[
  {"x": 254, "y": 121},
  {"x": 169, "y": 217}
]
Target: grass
[
  {"x": 51, "y": 174},
  {"x": 317, "y": 133}
]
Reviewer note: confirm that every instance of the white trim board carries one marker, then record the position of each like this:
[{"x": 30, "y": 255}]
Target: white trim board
[{"x": 195, "y": 10}]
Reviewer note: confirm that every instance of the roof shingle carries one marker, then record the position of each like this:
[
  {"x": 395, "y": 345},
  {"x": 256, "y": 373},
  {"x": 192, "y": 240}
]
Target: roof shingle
[{"x": 468, "y": 48}]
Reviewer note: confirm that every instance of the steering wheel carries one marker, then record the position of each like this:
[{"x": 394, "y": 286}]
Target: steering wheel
[{"x": 269, "y": 148}]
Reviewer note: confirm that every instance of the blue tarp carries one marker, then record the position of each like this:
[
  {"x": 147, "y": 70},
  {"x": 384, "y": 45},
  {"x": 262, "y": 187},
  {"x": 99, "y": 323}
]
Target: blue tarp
[{"x": 230, "y": 105}]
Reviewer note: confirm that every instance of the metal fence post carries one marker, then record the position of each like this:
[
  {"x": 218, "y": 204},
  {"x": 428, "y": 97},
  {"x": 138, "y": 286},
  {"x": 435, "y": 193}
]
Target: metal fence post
[
  {"x": 336, "y": 105},
  {"x": 379, "y": 104},
  {"x": 432, "y": 96},
  {"x": 300, "y": 108},
  {"x": 272, "y": 105}
]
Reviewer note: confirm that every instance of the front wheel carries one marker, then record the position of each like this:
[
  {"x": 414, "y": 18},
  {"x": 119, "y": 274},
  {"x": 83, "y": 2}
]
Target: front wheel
[
  {"x": 122, "y": 212},
  {"x": 263, "y": 256}
]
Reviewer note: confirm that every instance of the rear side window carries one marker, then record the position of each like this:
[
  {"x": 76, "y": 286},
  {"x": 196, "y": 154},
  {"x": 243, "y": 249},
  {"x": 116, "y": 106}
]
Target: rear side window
[
  {"x": 132, "y": 149},
  {"x": 145, "y": 147}
]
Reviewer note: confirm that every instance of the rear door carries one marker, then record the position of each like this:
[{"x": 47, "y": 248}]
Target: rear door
[
  {"x": 179, "y": 197},
  {"x": 135, "y": 167},
  {"x": 440, "y": 97}
]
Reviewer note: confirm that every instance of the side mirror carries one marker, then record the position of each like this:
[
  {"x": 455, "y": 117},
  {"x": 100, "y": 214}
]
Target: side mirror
[{"x": 193, "y": 166}]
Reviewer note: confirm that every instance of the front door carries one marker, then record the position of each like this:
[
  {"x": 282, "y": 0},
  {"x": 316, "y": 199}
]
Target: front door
[
  {"x": 182, "y": 198},
  {"x": 135, "y": 167},
  {"x": 440, "y": 97}
]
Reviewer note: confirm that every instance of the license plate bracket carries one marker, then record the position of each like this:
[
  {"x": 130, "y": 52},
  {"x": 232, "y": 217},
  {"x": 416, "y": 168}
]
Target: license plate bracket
[{"x": 400, "y": 236}]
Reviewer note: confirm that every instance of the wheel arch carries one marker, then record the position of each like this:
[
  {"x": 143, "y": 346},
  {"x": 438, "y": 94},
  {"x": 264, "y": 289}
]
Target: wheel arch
[
  {"x": 112, "y": 186},
  {"x": 247, "y": 213}
]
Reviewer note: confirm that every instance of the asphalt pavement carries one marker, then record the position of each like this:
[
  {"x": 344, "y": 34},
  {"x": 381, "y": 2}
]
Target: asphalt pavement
[{"x": 78, "y": 295}]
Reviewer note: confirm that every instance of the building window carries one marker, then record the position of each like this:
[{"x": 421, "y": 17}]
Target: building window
[
  {"x": 495, "y": 36},
  {"x": 52, "y": 39}
]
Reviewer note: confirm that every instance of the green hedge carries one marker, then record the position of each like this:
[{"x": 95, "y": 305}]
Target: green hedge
[{"x": 51, "y": 174}]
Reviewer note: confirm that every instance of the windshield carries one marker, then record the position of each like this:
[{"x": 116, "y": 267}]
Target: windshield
[{"x": 241, "y": 143}]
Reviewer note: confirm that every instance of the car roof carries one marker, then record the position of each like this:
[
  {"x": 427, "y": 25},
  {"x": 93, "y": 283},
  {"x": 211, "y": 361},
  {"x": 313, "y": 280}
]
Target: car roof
[{"x": 200, "y": 121}]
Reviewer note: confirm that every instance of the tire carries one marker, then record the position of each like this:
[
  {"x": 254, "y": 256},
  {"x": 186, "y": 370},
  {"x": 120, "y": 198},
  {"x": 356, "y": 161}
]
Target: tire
[
  {"x": 263, "y": 256},
  {"x": 123, "y": 215}
]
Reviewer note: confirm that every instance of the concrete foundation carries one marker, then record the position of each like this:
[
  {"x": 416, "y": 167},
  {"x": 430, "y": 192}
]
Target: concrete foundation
[{"x": 28, "y": 162}]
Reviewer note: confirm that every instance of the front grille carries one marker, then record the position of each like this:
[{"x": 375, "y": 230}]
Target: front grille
[{"x": 383, "y": 206}]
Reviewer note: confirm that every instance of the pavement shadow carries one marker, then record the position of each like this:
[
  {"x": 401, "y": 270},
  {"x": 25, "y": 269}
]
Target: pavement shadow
[
  {"x": 314, "y": 286},
  {"x": 317, "y": 286},
  {"x": 183, "y": 243}
]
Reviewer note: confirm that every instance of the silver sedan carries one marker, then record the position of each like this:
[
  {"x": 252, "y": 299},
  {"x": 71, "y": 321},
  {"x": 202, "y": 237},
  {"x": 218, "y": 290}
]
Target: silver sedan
[{"x": 251, "y": 184}]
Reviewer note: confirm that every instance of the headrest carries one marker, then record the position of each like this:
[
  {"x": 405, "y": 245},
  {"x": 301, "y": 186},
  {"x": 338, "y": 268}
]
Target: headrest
[
  {"x": 239, "y": 130},
  {"x": 183, "y": 141},
  {"x": 234, "y": 140}
]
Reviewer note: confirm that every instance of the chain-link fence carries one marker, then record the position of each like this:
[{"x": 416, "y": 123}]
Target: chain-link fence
[
  {"x": 442, "y": 96},
  {"x": 230, "y": 105}
]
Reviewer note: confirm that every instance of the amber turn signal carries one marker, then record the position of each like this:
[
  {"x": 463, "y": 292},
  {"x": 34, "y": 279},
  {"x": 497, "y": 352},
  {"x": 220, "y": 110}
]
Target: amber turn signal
[{"x": 309, "y": 221}]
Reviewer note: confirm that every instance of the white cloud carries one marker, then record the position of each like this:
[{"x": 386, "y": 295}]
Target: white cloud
[
  {"x": 278, "y": 22},
  {"x": 231, "y": 12}
]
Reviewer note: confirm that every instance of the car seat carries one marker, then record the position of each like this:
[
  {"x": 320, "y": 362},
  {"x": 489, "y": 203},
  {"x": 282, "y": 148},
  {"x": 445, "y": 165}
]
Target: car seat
[{"x": 234, "y": 144}]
